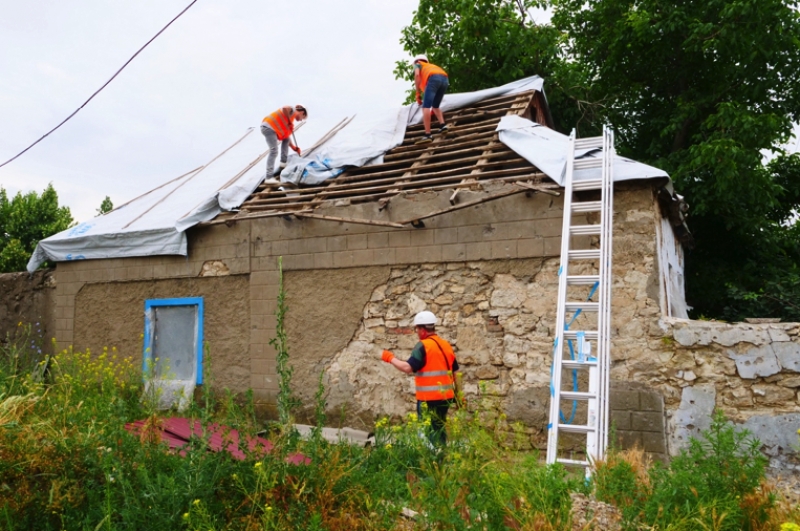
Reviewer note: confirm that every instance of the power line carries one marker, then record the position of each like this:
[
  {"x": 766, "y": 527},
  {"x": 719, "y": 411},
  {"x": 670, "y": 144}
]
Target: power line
[{"x": 104, "y": 85}]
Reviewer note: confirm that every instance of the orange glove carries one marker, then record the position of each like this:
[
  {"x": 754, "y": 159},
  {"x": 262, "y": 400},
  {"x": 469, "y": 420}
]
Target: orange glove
[
  {"x": 387, "y": 356},
  {"x": 295, "y": 148}
]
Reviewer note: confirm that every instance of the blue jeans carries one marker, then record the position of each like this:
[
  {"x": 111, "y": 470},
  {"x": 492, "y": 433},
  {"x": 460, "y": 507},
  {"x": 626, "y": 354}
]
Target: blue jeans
[{"x": 434, "y": 91}]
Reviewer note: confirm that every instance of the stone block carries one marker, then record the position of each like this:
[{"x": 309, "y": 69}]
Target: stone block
[
  {"x": 378, "y": 240},
  {"x": 778, "y": 335},
  {"x": 479, "y": 251},
  {"x": 788, "y": 355},
  {"x": 654, "y": 442},
  {"x": 530, "y": 247},
  {"x": 336, "y": 243},
  {"x": 323, "y": 260},
  {"x": 621, "y": 420},
  {"x": 504, "y": 249},
  {"x": 756, "y": 361},
  {"x": 420, "y": 237},
  {"x": 651, "y": 401},
  {"x": 407, "y": 255},
  {"x": 625, "y": 400},
  {"x": 529, "y": 406},
  {"x": 400, "y": 239},
  {"x": 647, "y": 421},
  {"x": 430, "y": 253},
  {"x": 470, "y": 233},
  {"x": 629, "y": 439},
  {"x": 445, "y": 236},
  {"x": 356, "y": 242},
  {"x": 454, "y": 252},
  {"x": 384, "y": 256}
]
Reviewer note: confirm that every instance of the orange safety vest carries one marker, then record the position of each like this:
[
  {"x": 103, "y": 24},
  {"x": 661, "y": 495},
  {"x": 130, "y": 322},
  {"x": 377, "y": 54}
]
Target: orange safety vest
[
  {"x": 435, "y": 380},
  {"x": 280, "y": 123},
  {"x": 426, "y": 71}
]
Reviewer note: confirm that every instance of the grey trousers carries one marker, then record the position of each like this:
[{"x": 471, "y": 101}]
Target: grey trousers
[{"x": 272, "y": 142}]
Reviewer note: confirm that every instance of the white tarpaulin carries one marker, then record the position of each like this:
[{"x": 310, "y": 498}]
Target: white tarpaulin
[
  {"x": 153, "y": 223},
  {"x": 547, "y": 150},
  {"x": 366, "y": 138}
]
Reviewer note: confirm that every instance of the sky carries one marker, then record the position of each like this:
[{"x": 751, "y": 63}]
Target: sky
[{"x": 219, "y": 69}]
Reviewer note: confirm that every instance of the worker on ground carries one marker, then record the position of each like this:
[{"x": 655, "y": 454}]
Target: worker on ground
[
  {"x": 278, "y": 127},
  {"x": 434, "y": 366},
  {"x": 431, "y": 81}
]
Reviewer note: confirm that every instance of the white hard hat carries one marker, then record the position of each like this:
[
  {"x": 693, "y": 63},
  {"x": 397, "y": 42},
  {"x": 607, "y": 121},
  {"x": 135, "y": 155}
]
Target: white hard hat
[
  {"x": 424, "y": 318},
  {"x": 421, "y": 57}
]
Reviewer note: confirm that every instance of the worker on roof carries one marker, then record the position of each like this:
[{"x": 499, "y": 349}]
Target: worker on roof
[
  {"x": 434, "y": 366},
  {"x": 278, "y": 127},
  {"x": 432, "y": 81}
]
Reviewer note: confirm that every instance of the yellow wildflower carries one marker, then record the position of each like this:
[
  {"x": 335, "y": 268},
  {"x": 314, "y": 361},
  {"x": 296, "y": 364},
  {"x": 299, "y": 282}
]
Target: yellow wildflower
[
  {"x": 196, "y": 502},
  {"x": 258, "y": 465}
]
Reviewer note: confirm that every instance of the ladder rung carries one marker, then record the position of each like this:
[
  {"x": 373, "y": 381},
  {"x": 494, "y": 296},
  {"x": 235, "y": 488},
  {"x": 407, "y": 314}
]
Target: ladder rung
[
  {"x": 589, "y": 142},
  {"x": 586, "y": 206},
  {"x": 585, "y": 306},
  {"x": 585, "y": 164},
  {"x": 573, "y": 334},
  {"x": 576, "y": 428},
  {"x": 572, "y": 364},
  {"x": 578, "y": 395},
  {"x": 582, "y": 230},
  {"x": 582, "y": 280},
  {"x": 592, "y": 184},
  {"x": 584, "y": 254},
  {"x": 573, "y": 462}
]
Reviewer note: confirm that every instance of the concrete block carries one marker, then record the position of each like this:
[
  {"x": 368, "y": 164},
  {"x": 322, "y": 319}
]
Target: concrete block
[
  {"x": 430, "y": 253},
  {"x": 445, "y": 236},
  {"x": 343, "y": 259},
  {"x": 298, "y": 261},
  {"x": 788, "y": 355},
  {"x": 363, "y": 257},
  {"x": 456, "y": 252},
  {"x": 337, "y": 243},
  {"x": 621, "y": 420},
  {"x": 547, "y": 228},
  {"x": 654, "y": 442},
  {"x": 647, "y": 421},
  {"x": 421, "y": 237},
  {"x": 470, "y": 233},
  {"x": 479, "y": 251},
  {"x": 262, "y": 366},
  {"x": 552, "y": 246},
  {"x": 280, "y": 248},
  {"x": 262, "y": 307},
  {"x": 384, "y": 256},
  {"x": 323, "y": 260},
  {"x": 356, "y": 242},
  {"x": 263, "y": 382},
  {"x": 757, "y": 361},
  {"x": 399, "y": 239},
  {"x": 378, "y": 240},
  {"x": 407, "y": 255},
  {"x": 513, "y": 230},
  {"x": 260, "y": 247},
  {"x": 530, "y": 247},
  {"x": 504, "y": 249},
  {"x": 264, "y": 278}
]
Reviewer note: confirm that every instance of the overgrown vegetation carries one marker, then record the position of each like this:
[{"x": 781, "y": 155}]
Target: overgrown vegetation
[
  {"x": 66, "y": 462},
  {"x": 26, "y": 219},
  {"x": 703, "y": 90}
]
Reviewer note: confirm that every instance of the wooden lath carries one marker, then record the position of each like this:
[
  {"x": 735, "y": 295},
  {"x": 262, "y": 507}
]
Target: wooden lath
[{"x": 469, "y": 153}]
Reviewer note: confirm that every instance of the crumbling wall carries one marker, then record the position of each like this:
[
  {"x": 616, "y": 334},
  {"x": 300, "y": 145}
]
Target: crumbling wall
[
  {"x": 28, "y": 299},
  {"x": 751, "y": 372}
]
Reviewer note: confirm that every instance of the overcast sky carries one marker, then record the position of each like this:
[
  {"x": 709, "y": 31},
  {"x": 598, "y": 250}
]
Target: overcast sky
[{"x": 216, "y": 71}]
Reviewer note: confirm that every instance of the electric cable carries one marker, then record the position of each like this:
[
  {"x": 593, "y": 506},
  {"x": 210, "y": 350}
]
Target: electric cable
[{"x": 104, "y": 85}]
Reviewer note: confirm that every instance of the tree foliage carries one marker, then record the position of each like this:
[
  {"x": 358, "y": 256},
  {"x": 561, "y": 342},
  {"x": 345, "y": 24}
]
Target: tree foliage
[
  {"x": 701, "y": 89},
  {"x": 105, "y": 207},
  {"x": 26, "y": 219}
]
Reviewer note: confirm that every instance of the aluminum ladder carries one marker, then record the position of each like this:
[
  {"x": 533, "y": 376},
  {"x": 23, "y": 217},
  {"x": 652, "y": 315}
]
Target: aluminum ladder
[{"x": 572, "y": 347}]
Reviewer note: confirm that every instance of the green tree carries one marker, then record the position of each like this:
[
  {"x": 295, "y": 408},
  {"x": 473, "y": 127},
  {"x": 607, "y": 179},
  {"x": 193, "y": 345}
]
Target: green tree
[
  {"x": 700, "y": 89},
  {"x": 26, "y": 219},
  {"x": 703, "y": 90},
  {"x": 105, "y": 207},
  {"x": 487, "y": 43}
]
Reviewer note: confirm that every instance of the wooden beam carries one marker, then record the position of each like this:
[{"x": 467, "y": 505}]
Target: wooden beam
[{"x": 357, "y": 221}]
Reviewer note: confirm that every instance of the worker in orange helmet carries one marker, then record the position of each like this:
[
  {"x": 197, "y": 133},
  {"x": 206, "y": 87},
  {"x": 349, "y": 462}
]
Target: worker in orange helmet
[
  {"x": 434, "y": 366},
  {"x": 278, "y": 127},
  {"x": 432, "y": 81}
]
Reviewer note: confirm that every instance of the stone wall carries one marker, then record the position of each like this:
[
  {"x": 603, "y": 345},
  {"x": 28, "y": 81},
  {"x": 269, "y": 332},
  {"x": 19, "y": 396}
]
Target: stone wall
[
  {"x": 28, "y": 299},
  {"x": 751, "y": 372}
]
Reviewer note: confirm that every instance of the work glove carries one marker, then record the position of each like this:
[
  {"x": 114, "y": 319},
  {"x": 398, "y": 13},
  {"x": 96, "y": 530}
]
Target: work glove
[
  {"x": 387, "y": 356},
  {"x": 295, "y": 149}
]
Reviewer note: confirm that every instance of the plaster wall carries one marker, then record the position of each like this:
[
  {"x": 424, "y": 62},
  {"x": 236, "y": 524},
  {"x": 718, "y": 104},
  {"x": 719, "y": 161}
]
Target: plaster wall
[{"x": 28, "y": 299}]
